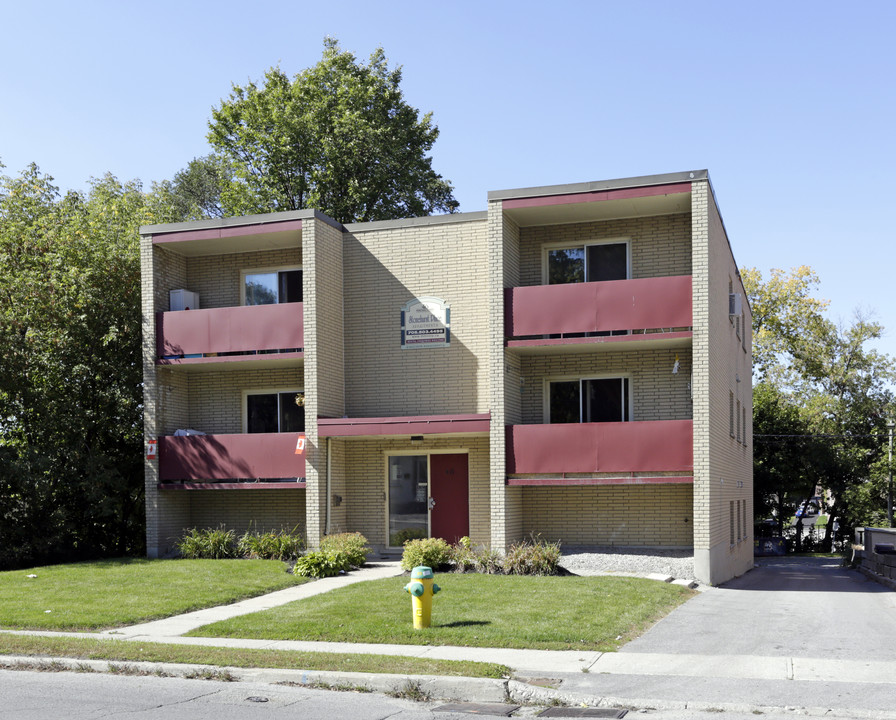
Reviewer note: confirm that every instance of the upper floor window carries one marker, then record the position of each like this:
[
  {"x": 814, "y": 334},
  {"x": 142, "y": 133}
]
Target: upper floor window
[
  {"x": 589, "y": 400},
  {"x": 270, "y": 287},
  {"x": 587, "y": 263},
  {"x": 275, "y": 411}
]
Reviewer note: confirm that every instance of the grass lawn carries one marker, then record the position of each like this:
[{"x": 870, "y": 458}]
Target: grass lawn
[
  {"x": 112, "y": 593},
  {"x": 548, "y": 613},
  {"x": 129, "y": 651}
]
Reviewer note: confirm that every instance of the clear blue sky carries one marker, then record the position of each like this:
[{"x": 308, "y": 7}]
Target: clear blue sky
[{"x": 789, "y": 105}]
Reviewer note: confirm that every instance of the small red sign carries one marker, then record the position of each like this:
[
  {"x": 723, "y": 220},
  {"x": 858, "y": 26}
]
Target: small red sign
[
  {"x": 151, "y": 448},
  {"x": 300, "y": 445}
]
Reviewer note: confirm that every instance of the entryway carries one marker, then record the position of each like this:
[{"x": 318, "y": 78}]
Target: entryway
[{"x": 428, "y": 496}]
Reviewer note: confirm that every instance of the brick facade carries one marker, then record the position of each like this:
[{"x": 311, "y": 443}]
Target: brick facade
[{"x": 356, "y": 375}]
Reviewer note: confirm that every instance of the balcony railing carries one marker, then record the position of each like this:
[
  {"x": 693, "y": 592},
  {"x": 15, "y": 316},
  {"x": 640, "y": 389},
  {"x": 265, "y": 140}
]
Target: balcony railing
[
  {"x": 231, "y": 457},
  {"x": 622, "y": 447},
  {"x": 643, "y": 304},
  {"x": 230, "y": 330}
]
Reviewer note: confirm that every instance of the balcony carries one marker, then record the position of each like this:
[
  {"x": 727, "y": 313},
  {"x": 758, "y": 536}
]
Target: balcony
[
  {"x": 662, "y": 447},
  {"x": 232, "y": 457},
  {"x": 231, "y": 330},
  {"x": 645, "y": 304}
]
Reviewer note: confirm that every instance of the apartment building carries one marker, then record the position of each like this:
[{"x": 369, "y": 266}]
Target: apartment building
[{"x": 572, "y": 362}]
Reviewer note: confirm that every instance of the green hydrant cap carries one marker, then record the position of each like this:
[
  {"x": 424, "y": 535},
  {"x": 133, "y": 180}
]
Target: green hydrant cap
[
  {"x": 415, "y": 588},
  {"x": 421, "y": 572}
]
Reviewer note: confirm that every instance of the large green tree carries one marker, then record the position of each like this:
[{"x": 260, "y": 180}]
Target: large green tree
[
  {"x": 339, "y": 137},
  {"x": 821, "y": 403},
  {"x": 71, "y": 479}
]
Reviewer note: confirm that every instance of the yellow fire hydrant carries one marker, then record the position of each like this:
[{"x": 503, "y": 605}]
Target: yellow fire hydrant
[{"x": 422, "y": 588}]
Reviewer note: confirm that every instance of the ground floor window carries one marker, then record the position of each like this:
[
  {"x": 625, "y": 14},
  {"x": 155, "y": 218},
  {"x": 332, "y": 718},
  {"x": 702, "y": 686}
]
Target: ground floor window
[
  {"x": 271, "y": 412},
  {"x": 589, "y": 400}
]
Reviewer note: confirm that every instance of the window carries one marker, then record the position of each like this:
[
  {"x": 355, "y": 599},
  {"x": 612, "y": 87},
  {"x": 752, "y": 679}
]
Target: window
[
  {"x": 743, "y": 507},
  {"x": 731, "y": 522},
  {"x": 589, "y": 400},
  {"x": 737, "y": 511},
  {"x": 587, "y": 263},
  {"x": 744, "y": 411},
  {"x": 731, "y": 414},
  {"x": 272, "y": 287},
  {"x": 271, "y": 412},
  {"x": 738, "y": 420}
]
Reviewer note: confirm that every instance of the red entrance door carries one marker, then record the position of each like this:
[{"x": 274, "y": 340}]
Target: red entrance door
[{"x": 449, "y": 488}]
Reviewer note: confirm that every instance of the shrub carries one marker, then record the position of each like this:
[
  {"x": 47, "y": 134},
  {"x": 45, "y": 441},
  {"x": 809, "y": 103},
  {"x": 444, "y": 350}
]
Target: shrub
[
  {"x": 463, "y": 556},
  {"x": 489, "y": 561},
  {"x": 271, "y": 545},
  {"x": 532, "y": 557},
  {"x": 208, "y": 543},
  {"x": 402, "y": 536},
  {"x": 320, "y": 564},
  {"x": 434, "y": 553},
  {"x": 352, "y": 545}
]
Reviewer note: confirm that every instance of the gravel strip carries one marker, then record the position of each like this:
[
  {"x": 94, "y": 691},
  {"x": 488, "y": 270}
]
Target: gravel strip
[{"x": 678, "y": 564}]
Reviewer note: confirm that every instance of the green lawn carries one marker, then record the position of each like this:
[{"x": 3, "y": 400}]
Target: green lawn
[
  {"x": 549, "y": 613},
  {"x": 112, "y": 593},
  {"x": 121, "y": 650}
]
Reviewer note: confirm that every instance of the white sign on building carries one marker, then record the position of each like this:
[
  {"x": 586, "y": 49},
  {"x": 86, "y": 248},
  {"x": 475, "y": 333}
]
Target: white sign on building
[{"x": 425, "y": 323}]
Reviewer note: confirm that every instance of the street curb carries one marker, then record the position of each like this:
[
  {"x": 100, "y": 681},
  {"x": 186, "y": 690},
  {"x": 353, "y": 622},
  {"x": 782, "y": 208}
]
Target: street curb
[{"x": 427, "y": 687}]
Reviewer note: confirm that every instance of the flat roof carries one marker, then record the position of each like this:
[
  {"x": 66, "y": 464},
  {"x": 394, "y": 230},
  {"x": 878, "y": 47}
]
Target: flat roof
[{"x": 599, "y": 185}]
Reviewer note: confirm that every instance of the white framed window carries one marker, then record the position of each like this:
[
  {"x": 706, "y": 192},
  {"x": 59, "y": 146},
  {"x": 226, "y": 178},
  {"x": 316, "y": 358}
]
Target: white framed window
[
  {"x": 587, "y": 400},
  {"x": 586, "y": 262},
  {"x": 273, "y": 410},
  {"x": 271, "y": 286}
]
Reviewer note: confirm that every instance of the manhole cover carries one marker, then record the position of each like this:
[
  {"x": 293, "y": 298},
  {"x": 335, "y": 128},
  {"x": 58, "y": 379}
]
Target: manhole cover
[
  {"x": 566, "y": 712},
  {"x": 498, "y": 709}
]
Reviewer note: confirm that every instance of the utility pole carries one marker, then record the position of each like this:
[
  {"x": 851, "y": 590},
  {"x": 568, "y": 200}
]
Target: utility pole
[{"x": 890, "y": 425}]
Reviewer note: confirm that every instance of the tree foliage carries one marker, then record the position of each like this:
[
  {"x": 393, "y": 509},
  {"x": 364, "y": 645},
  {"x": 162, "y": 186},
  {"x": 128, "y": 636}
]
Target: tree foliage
[
  {"x": 338, "y": 137},
  {"x": 71, "y": 478},
  {"x": 821, "y": 403}
]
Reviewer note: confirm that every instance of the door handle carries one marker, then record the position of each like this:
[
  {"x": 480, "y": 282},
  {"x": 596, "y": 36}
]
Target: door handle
[{"x": 432, "y": 503}]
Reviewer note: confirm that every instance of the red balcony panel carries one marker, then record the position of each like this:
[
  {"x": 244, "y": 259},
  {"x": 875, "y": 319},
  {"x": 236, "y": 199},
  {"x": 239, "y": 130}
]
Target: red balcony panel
[
  {"x": 641, "y": 304},
  {"x": 231, "y": 329},
  {"x": 231, "y": 457},
  {"x": 630, "y": 447},
  {"x": 411, "y": 425}
]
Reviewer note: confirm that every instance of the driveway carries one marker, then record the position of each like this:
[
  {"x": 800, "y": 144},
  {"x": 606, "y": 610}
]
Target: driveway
[{"x": 801, "y": 607}]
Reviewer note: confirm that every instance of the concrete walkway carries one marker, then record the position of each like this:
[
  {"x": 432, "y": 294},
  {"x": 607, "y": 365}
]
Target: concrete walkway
[{"x": 181, "y": 624}]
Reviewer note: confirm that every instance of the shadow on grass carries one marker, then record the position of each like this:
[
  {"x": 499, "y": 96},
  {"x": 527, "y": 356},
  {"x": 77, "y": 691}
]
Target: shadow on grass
[{"x": 463, "y": 623}]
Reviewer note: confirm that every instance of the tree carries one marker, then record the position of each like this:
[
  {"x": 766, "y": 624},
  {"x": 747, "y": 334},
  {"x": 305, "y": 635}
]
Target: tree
[
  {"x": 71, "y": 476},
  {"x": 826, "y": 386},
  {"x": 195, "y": 192},
  {"x": 339, "y": 138},
  {"x": 784, "y": 314}
]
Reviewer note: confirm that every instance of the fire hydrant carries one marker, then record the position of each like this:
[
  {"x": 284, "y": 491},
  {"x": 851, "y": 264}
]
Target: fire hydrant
[{"x": 422, "y": 588}]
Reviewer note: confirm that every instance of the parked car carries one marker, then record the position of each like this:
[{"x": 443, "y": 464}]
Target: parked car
[{"x": 807, "y": 509}]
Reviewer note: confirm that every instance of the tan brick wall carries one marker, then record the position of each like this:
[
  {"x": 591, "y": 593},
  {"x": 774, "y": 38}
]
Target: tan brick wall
[
  {"x": 660, "y": 245},
  {"x": 217, "y": 278},
  {"x": 722, "y": 464},
  {"x": 247, "y": 510},
  {"x": 632, "y": 515},
  {"x": 365, "y": 497},
  {"x": 504, "y": 376},
  {"x": 656, "y": 393},
  {"x": 386, "y": 268},
  {"x": 214, "y": 399}
]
